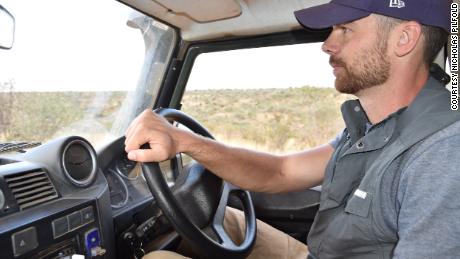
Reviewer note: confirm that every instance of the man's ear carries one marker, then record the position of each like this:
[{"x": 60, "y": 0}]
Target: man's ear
[{"x": 409, "y": 35}]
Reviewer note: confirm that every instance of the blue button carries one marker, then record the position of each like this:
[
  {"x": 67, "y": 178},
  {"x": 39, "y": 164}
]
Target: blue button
[{"x": 92, "y": 239}]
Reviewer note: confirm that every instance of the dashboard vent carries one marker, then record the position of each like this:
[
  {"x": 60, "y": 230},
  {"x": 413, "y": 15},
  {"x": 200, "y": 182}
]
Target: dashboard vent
[{"x": 31, "y": 188}]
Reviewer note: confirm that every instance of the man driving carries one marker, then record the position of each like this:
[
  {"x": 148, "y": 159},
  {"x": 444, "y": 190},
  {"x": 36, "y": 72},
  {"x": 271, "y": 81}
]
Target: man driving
[{"x": 389, "y": 181}]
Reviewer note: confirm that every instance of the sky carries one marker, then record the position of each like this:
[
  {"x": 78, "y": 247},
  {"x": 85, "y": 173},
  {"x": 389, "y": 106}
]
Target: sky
[
  {"x": 85, "y": 45},
  {"x": 269, "y": 67},
  {"x": 72, "y": 45}
]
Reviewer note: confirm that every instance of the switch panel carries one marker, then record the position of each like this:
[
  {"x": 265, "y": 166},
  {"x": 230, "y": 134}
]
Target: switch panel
[{"x": 72, "y": 221}]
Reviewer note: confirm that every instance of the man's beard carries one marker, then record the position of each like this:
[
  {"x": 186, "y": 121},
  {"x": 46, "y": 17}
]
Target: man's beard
[{"x": 369, "y": 69}]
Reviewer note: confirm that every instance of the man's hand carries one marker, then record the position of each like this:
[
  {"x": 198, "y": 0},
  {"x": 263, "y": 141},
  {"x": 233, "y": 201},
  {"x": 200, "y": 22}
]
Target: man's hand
[{"x": 154, "y": 130}]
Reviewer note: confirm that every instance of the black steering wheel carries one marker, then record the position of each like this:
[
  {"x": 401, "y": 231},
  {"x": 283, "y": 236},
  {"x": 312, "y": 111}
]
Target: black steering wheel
[{"x": 195, "y": 205}]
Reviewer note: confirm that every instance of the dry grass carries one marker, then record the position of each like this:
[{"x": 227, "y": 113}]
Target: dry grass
[
  {"x": 277, "y": 120},
  {"x": 39, "y": 116}
]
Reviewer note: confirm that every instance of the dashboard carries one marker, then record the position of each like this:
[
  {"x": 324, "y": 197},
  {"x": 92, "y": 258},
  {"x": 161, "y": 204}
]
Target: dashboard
[{"x": 64, "y": 198}]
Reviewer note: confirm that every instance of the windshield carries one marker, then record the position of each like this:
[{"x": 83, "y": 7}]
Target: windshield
[{"x": 78, "y": 67}]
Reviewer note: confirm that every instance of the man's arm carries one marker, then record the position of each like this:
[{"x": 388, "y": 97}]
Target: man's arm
[
  {"x": 429, "y": 205},
  {"x": 251, "y": 170}
]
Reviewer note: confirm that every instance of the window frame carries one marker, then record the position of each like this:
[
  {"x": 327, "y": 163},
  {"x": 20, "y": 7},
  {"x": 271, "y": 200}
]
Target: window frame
[{"x": 277, "y": 39}]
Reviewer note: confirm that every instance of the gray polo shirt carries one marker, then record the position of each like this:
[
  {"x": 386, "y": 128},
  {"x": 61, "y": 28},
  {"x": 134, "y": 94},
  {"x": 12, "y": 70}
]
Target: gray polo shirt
[{"x": 421, "y": 202}]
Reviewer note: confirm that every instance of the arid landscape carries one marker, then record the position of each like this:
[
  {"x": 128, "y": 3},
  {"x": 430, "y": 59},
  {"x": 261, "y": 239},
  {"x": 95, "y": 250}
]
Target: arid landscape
[{"x": 278, "y": 120}]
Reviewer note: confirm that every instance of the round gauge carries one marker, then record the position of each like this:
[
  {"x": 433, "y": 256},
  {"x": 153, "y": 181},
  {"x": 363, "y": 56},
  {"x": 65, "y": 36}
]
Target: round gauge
[
  {"x": 128, "y": 169},
  {"x": 2, "y": 199},
  {"x": 119, "y": 193},
  {"x": 79, "y": 162}
]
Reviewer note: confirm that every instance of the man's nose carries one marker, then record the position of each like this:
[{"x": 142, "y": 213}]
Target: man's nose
[{"x": 330, "y": 46}]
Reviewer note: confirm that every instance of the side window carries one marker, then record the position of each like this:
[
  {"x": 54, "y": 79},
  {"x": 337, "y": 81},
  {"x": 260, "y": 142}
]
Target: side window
[{"x": 276, "y": 99}]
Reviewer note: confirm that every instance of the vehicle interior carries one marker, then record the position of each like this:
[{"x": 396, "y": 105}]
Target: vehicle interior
[{"x": 72, "y": 193}]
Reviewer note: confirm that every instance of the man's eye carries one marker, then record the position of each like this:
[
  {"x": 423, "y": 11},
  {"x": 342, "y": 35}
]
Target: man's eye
[
  {"x": 346, "y": 30},
  {"x": 342, "y": 29}
]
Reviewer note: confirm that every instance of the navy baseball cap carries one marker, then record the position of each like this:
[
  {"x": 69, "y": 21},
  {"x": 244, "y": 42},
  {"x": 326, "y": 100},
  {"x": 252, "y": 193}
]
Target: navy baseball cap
[{"x": 427, "y": 12}]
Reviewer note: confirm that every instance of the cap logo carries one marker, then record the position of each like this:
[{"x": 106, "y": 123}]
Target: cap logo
[{"x": 397, "y": 3}]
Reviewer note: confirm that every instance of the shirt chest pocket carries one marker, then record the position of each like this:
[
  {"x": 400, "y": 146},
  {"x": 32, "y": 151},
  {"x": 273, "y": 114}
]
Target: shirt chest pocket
[{"x": 359, "y": 203}]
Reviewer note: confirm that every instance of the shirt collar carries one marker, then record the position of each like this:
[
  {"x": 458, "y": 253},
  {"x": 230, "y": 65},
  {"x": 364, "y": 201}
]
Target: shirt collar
[{"x": 358, "y": 124}]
